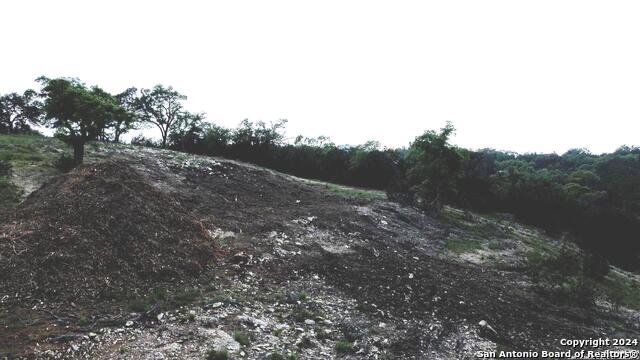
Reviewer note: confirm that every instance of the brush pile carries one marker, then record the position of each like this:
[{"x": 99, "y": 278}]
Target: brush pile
[{"x": 96, "y": 233}]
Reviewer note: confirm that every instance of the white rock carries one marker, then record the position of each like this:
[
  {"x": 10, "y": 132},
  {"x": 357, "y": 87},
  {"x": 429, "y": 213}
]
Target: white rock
[
  {"x": 309, "y": 322},
  {"x": 218, "y": 339},
  {"x": 129, "y": 323}
]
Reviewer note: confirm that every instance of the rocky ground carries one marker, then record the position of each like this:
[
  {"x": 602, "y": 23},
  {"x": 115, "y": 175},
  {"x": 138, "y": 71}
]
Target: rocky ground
[{"x": 306, "y": 270}]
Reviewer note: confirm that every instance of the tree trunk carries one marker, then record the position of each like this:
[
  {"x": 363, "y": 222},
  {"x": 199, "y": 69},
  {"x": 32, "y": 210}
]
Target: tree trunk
[{"x": 78, "y": 152}]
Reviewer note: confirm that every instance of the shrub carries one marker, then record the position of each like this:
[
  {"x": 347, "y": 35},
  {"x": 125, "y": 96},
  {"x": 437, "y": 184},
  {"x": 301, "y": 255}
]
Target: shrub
[
  {"x": 344, "y": 346},
  {"x": 567, "y": 275},
  {"x": 141, "y": 140},
  {"x": 242, "y": 338},
  {"x": 217, "y": 355}
]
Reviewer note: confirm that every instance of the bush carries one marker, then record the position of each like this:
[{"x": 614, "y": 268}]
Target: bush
[
  {"x": 141, "y": 140},
  {"x": 566, "y": 276},
  {"x": 344, "y": 346},
  {"x": 217, "y": 355},
  {"x": 65, "y": 163},
  {"x": 242, "y": 338}
]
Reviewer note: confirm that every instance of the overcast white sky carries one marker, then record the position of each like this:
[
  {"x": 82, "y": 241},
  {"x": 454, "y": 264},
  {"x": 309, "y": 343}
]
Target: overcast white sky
[{"x": 526, "y": 76}]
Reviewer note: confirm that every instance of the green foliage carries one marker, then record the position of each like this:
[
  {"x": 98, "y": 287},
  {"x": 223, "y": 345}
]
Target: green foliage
[
  {"x": 217, "y": 355},
  {"x": 264, "y": 144},
  {"x": 162, "y": 107},
  {"x": 78, "y": 113},
  {"x": 596, "y": 197},
  {"x": 344, "y": 346},
  {"x": 303, "y": 296},
  {"x": 127, "y": 117},
  {"x": 568, "y": 275},
  {"x": 185, "y": 135},
  {"x": 27, "y": 150},
  {"x": 9, "y": 195},
  {"x": 83, "y": 320},
  {"x": 351, "y": 192},
  {"x": 433, "y": 169},
  {"x": 621, "y": 289},
  {"x": 141, "y": 140},
  {"x": 18, "y": 112},
  {"x": 460, "y": 246},
  {"x": 242, "y": 338}
]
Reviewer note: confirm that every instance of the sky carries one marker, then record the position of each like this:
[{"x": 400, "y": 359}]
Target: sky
[{"x": 525, "y": 76}]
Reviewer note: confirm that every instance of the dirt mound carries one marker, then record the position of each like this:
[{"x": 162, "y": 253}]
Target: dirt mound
[{"x": 99, "y": 232}]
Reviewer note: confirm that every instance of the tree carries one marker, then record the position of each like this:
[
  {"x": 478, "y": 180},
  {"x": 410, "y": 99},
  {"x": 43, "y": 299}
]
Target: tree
[
  {"x": 17, "y": 112},
  {"x": 216, "y": 139},
  {"x": 126, "y": 119},
  {"x": 78, "y": 114},
  {"x": 161, "y": 107},
  {"x": 435, "y": 167},
  {"x": 186, "y": 133}
]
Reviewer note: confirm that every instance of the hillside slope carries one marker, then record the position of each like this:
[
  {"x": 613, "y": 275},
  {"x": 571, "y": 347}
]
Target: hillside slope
[{"x": 301, "y": 268}]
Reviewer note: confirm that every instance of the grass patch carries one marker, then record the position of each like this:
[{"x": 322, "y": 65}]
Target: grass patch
[
  {"x": 9, "y": 196},
  {"x": 541, "y": 246},
  {"x": 459, "y": 246},
  {"x": 621, "y": 290},
  {"x": 242, "y": 338},
  {"x": 28, "y": 149},
  {"x": 345, "y": 191},
  {"x": 83, "y": 320},
  {"x": 303, "y": 296},
  {"x": 344, "y": 346},
  {"x": 352, "y": 192}
]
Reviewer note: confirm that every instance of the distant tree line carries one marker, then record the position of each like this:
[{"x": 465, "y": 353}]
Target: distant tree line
[{"x": 596, "y": 198}]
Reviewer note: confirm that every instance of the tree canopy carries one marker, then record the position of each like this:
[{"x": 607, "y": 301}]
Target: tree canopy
[
  {"x": 78, "y": 113},
  {"x": 18, "y": 112},
  {"x": 162, "y": 107}
]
